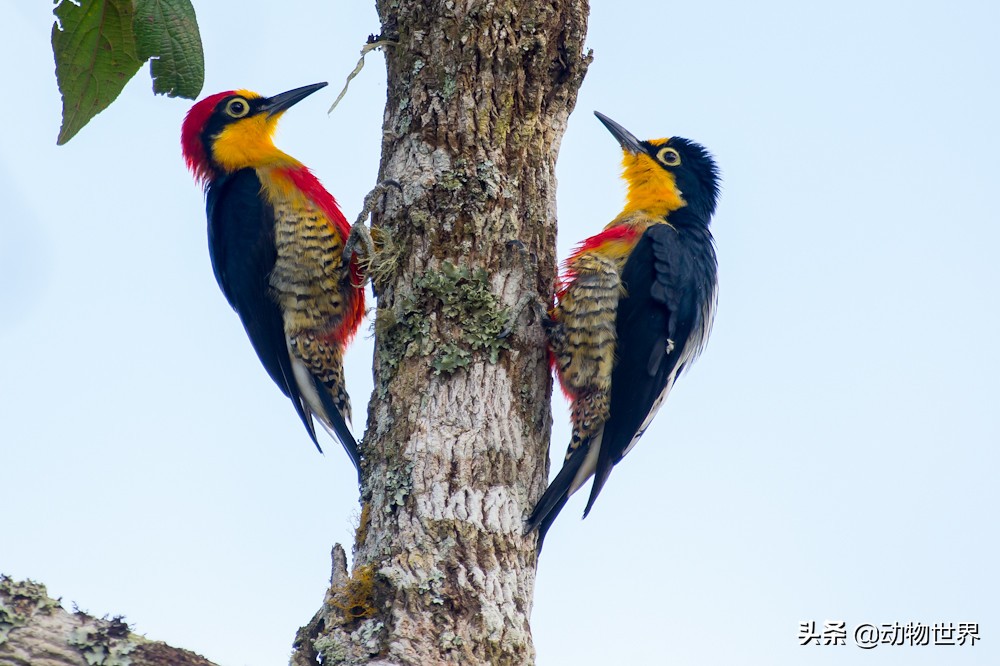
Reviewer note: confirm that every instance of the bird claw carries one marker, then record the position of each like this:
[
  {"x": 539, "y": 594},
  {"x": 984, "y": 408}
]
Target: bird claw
[{"x": 359, "y": 241}]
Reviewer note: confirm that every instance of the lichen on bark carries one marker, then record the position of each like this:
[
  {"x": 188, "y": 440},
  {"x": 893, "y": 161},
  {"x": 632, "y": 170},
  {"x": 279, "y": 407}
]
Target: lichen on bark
[
  {"x": 456, "y": 446},
  {"x": 36, "y": 629}
]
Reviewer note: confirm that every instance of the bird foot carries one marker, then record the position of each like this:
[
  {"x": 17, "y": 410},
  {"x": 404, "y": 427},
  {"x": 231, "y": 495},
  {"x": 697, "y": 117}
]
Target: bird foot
[{"x": 359, "y": 241}]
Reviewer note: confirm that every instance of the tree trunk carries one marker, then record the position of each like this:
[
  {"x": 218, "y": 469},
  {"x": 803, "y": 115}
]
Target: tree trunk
[{"x": 456, "y": 448}]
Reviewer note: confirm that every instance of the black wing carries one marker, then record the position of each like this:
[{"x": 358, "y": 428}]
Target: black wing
[
  {"x": 241, "y": 245},
  {"x": 669, "y": 280}
]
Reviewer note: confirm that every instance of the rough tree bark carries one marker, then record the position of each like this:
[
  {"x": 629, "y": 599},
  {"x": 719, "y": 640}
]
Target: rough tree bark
[
  {"x": 35, "y": 630},
  {"x": 479, "y": 93}
]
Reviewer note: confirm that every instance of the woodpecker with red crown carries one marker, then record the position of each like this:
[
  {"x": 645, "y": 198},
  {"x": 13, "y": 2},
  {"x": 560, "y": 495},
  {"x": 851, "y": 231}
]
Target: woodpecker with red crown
[
  {"x": 634, "y": 309},
  {"x": 277, "y": 239}
]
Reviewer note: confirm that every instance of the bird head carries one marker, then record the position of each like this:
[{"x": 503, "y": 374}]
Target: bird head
[
  {"x": 664, "y": 175},
  {"x": 233, "y": 130}
]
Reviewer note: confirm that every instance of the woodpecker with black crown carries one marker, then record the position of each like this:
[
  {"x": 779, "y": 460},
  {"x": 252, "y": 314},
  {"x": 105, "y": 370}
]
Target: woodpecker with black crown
[{"x": 633, "y": 310}]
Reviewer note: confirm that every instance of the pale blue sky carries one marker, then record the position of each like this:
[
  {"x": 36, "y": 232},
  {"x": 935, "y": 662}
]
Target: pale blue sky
[{"x": 832, "y": 456}]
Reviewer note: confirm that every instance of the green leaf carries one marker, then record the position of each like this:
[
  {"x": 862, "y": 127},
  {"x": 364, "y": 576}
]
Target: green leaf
[
  {"x": 95, "y": 53},
  {"x": 167, "y": 32}
]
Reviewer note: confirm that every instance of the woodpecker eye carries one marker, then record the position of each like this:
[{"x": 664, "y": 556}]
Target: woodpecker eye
[
  {"x": 237, "y": 108},
  {"x": 669, "y": 157}
]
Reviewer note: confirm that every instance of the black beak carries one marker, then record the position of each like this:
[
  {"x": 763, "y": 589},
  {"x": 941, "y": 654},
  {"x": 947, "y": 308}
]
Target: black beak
[
  {"x": 283, "y": 101},
  {"x": 625, "y": 138}
]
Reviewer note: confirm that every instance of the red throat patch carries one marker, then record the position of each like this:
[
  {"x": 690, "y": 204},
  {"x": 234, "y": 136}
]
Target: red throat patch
[{"x": 622, "y": 233}]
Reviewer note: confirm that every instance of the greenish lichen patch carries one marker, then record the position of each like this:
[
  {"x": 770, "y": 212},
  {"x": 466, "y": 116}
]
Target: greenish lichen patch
[
  {"x": 468, "y": 315},
  {"x": 19, "y": 600},
  {"x": 331, "y": 649},
  {"x": 449, "y": 86},
  {"x": 27, "y": 593},
  {"x": 107, "y": 644},
  {"x": 9, "y": 620},
  {"x": 398, "y": 484},
  {"x": 489, "y": 178},
  {"x": 504, "y": 116},
  {"x": 451, "y": 641},
  {"x": 450, "y": 358},
  {"x": 368, "y": 635},
  {"x": 432, "y": 586},
  {"x": 418, "y": 219},
  {"x": 453, "y": 180}
]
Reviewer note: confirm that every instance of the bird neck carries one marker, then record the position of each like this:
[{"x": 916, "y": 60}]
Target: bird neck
[
  {"x": 249, "y": 143},
  {"x": 296, "y": 185},
  {"x": 615, "y": 242}
]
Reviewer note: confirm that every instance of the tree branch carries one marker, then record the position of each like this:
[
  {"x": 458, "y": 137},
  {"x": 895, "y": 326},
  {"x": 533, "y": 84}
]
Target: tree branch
[{"x": 35, "y": 630}]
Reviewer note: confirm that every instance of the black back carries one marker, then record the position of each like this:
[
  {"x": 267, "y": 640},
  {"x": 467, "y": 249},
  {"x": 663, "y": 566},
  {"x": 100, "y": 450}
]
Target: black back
[
  {"x": 241, "y": 245},
  {"x": 669, "y": 280}
]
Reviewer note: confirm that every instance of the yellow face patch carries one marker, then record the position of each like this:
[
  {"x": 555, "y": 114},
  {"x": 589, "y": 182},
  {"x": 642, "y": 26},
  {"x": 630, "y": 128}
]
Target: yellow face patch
[
  {"x": 247, "y": 142},
  {"x": 651, "y": 188}
]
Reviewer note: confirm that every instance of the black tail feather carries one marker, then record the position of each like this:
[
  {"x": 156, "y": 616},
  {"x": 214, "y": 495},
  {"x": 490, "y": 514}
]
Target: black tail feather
[
  {"x": 340, "y": 427},
  {"x": 546, "y": 522},
  {"x": 307, "y": 421},
  {"x": 600, "y": 478},
  {"x": 553, "y": 499}
]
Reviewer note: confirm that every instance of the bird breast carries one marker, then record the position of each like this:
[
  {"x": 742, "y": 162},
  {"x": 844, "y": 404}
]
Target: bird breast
[{"x": 309, "y": 271}]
